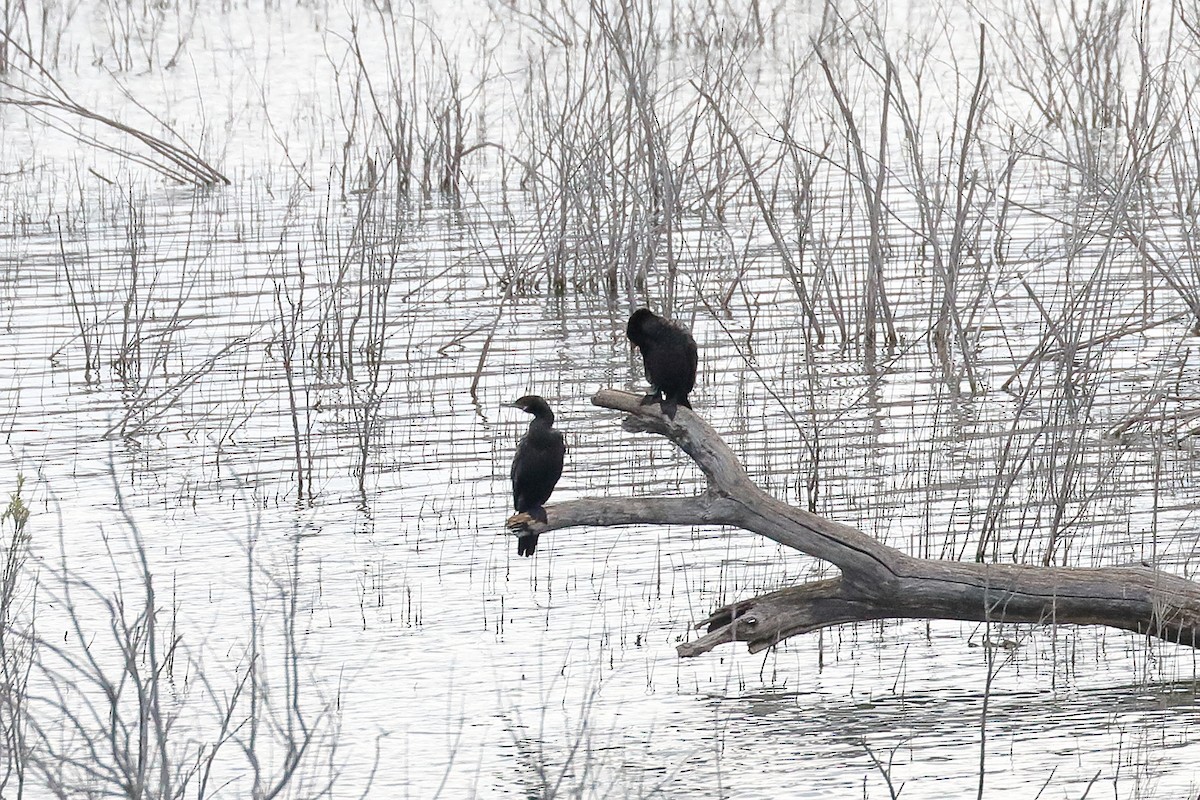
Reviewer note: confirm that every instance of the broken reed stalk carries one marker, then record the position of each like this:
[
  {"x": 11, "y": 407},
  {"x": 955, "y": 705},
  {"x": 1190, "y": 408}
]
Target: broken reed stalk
[
  {"x": 91, "y": 352},
  {"x": 877, "y": 581},
  {"x": 960, "y": 249},
  {"x": 876, "y": 300},
  {"x": 16, "y": 653},
  {"x": 626, "y": 36},
  {"x": 290, "y": 312},
  {"x": 813, "y": 327},
  {"x": 367, "y": 372},
  {"x": 931, "y": 203}
]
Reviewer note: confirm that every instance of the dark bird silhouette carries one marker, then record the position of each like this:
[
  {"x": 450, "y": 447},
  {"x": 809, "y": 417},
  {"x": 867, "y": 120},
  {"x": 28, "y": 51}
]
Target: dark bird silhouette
[
  {"x": 669, "y": 353},
  {"x": 536, "y": 467}
]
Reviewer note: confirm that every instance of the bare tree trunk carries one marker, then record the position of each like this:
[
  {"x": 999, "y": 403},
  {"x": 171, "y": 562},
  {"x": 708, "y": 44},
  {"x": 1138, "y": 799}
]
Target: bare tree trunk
[{"x": 877, "y": 581}]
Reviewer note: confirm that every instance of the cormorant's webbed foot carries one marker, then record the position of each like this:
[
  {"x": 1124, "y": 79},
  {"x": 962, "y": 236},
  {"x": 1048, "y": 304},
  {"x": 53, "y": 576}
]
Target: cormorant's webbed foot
[
  {"x": 655, "y": 397},
  {"x": 669, "y": 407},
  {"x": 539, "y": 514}
]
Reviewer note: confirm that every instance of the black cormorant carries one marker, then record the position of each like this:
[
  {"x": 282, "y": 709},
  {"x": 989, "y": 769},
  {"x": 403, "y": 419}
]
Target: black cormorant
[
  {"x": 536, "y": 467},
  {"x": 669, "y": 353}
]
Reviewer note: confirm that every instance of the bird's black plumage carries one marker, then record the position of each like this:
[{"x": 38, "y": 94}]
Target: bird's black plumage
[
  {"x": 536, "y": 466},
  {"x": 669, "y": 353}
]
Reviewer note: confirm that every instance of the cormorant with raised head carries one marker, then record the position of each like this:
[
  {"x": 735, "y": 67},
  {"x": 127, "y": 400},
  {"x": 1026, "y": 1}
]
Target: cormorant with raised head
[
  {"x": 536, "y": 467},
  {"x": 669, "y": 353}
]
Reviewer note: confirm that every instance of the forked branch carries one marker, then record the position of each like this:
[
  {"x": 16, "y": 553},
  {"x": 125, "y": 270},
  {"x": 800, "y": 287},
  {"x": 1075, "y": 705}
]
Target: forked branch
[{"x": 877, "y": 581}]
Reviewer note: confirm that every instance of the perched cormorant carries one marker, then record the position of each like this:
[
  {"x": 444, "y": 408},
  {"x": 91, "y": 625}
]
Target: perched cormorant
[
  {"x": 536, "y": 467},
  {"x": 669, "y": 353}
]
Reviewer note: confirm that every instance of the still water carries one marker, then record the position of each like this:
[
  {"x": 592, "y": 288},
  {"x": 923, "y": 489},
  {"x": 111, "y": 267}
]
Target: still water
[{"x": 279, "y": 404}]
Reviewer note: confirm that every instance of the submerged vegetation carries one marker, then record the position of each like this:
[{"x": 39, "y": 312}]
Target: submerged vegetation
[{"x": 943, "y": 267}]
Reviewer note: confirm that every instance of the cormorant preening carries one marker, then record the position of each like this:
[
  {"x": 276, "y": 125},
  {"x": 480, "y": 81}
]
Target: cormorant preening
[
  {"x": 669, "y": 353},
  {"x": 536, "y": 467}
]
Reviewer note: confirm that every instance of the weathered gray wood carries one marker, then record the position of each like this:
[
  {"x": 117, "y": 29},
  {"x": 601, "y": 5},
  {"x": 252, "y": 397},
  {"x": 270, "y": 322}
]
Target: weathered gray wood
[{"x": 877, "y": 581}]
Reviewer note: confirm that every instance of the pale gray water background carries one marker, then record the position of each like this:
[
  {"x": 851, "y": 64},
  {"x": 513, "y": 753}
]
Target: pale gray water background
[{"x": 451, "y": 664}]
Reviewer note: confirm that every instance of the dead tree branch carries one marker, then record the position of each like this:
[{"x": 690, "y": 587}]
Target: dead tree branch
[{"x": 877, "y": 581}]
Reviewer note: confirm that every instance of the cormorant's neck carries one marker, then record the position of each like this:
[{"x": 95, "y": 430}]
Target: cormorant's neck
[{"x": 543, "y": 420}]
